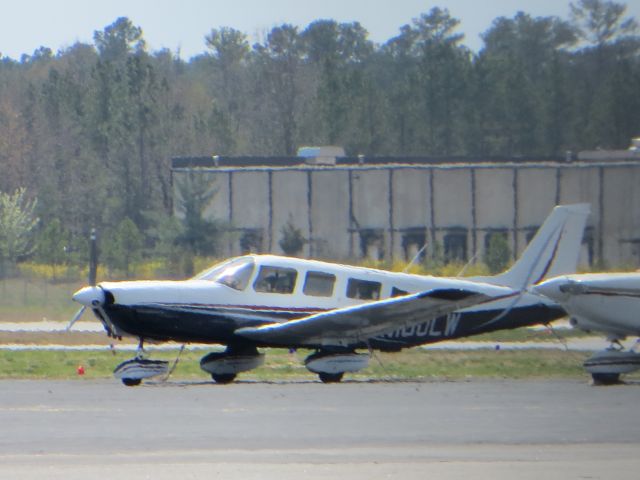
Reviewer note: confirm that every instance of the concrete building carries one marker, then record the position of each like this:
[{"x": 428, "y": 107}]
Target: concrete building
[{"x": 385, "y": 208}]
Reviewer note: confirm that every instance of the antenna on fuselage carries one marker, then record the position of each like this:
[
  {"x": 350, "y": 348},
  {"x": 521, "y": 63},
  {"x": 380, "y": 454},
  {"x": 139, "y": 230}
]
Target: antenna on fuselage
[
  {"x": 524, "y": 288},
  {"x": 415, "y": 258},
  {"x": 468, "y": 264}
]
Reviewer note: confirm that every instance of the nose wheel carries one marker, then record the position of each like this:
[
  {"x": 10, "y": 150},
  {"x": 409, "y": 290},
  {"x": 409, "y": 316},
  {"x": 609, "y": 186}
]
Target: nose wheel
[{"x": 131, "y": 382}]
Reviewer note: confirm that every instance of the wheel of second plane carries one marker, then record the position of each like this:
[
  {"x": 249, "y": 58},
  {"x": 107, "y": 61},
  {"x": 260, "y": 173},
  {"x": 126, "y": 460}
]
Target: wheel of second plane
[{"x": 605, "y": 378}]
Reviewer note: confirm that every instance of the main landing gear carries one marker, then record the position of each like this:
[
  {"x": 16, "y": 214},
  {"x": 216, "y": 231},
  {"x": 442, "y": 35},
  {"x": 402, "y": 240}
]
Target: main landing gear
[
  {"x": 330, "y": 377},
  {"x": 606, "y": 366},
  {"x": 331, "y": 366},
  {"x": 225, "y": 366}
]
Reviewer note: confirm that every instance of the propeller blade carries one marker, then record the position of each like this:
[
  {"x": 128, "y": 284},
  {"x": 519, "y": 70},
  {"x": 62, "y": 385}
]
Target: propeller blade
[
  {"x": 76, "y": 317},
  {"x": 93, "y": 258},
  {"x": 110, "y": 327}
]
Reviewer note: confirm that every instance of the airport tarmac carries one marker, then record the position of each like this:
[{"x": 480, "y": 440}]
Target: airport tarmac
[{"x": 446, "y": 430}]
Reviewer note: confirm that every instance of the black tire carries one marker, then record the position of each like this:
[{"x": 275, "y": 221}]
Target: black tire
[
  {"x": 331, "y": 377},
  {"x": 223, "y": 378},
  {"x": 131, "y": 382},
  {"x": 605, "y": 378}
]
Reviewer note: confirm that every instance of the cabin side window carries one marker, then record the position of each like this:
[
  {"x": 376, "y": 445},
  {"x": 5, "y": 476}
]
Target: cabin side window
[
  {"x": 319, "y": 284},
  {"x": 363, "y": 289},
  {"x": 275, "y": 280}
]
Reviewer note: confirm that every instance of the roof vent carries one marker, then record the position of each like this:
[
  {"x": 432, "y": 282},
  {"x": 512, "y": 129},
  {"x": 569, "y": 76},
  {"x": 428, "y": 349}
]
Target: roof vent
[{"x": 320, "y": 155}]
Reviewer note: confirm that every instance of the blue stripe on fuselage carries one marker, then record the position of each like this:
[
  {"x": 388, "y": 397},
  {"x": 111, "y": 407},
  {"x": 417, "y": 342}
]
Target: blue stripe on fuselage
[{"x": 202, "y": 324}]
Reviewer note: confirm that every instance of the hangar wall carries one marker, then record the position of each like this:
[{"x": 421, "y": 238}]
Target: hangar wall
[{"x": 387, "y": 211}]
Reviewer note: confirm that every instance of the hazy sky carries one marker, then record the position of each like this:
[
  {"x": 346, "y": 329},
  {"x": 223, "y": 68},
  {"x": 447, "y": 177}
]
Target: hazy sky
[{"x": 182, "y": 24}]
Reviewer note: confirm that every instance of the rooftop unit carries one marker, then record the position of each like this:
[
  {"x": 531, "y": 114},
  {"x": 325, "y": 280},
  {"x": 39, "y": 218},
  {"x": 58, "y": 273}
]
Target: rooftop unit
[{"x": 320, "y": 155}]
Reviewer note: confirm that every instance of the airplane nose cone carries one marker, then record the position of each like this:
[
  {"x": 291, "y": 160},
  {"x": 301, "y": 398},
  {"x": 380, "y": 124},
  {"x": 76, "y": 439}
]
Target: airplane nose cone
[
  {"x": 89, "y": 296},
  {"x": 551, "y": 288}
]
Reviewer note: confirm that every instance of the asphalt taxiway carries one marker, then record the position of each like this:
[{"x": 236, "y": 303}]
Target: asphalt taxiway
[{"x": 463, "y": 429}]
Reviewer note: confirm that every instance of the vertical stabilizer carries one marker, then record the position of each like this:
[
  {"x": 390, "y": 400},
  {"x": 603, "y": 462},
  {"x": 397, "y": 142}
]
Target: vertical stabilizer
[{"x": 553, "y": 251}]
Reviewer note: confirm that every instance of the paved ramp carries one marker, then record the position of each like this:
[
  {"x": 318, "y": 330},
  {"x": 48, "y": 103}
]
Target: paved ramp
[{"x": 476, "y": 429}]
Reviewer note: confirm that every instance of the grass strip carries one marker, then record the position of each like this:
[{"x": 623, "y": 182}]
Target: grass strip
[{"x": 280, "y": 365}]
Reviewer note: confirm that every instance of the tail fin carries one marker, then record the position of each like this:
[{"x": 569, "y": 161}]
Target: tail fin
[{"x": 553, "y": 251}]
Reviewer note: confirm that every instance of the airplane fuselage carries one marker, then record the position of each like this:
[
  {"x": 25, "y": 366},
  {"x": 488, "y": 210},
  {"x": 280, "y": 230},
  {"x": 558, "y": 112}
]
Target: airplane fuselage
[
  {"x": 261, "y": 290},
  {"x": 605, "y": 302}
]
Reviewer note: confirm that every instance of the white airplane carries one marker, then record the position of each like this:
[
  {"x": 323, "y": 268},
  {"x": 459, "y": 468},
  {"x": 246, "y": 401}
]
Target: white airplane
[
  {"x": 258, "y": 301},
  {"x": 604, "y": 302}
]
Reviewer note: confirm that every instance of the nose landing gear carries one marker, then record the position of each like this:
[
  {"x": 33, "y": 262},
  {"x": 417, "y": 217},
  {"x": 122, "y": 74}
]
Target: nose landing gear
[
  {"x": 606, "y": 366},
  {"x": 132, "y": 372}
]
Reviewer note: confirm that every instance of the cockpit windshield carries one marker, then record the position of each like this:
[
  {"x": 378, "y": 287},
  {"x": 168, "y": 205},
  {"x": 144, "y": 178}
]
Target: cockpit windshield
[{"x": 235, "y": 273}]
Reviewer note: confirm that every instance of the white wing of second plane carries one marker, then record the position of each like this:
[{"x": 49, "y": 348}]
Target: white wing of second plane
[{"x": 346, "y": 326}]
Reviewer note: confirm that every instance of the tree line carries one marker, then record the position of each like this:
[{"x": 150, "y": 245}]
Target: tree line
[{"x": 87, "y": 133}]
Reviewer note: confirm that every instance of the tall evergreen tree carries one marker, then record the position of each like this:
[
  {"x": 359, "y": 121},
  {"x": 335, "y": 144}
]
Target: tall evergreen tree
[{"x": 280, "y": 60}]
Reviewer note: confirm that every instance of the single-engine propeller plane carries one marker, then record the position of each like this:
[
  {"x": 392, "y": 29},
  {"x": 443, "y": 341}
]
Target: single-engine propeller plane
[
  {"x": 602, "y": 302},
  {"x": 256, "y": 301}
]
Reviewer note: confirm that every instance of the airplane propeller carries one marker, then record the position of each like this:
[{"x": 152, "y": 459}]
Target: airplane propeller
[
  {"x": 76, "y": 317},
  {"x": 93, "y": 258},
  {"x": 93, "y": 272}
]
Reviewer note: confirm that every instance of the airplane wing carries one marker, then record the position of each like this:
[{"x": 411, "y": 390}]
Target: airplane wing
[{"x": 346, "y": 326}]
